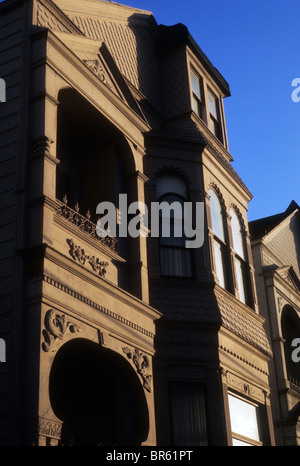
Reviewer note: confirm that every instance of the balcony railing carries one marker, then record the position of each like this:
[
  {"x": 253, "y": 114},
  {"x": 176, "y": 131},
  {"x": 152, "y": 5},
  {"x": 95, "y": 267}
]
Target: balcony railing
[
  {"x": 294, "y": 383},
  {"x": 85, "y": 224}
]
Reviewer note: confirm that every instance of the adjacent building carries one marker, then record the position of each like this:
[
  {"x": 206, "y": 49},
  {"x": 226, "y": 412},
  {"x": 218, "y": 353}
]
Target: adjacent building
[
  {"x": 276, "y": 253},
  {"x": 127, "y": 340}
]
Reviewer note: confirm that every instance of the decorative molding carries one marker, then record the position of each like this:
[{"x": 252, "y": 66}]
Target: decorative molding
[
  {"x": 245, "y": 388},
  {"x": 57, "y": 326},
  {"x": 100, "y": 308},
  {"x": 79, "y": 255},
  {"x": 50, "y": 16},
  {"x": 214, "y": 187},
  {"x": 84, "y": 223},
  {"x": 244, "y": 439},
  {"x": 46, "y": 19},
  {"x": 227, "y": 350},
  {"x": 142, "y": 364},
  {"x": 98, "y": 69},
  {"x": 42, "y": 145},
  {"x": 50, "y": 429}
]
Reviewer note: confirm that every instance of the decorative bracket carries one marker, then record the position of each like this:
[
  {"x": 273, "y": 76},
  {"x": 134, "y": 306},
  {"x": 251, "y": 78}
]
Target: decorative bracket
[
  {"x": 142, "y": 364},
  {"x": 56, "y": 327}
]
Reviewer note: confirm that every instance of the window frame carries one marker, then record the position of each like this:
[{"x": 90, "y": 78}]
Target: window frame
[
  {"x": 243, "y": 262},
  {"x": 188, "y": 261},
  {"x": 215, "y": 120},
  {"x": 200, "y": 100},
  {"x": 221, "y": 242},
  {"x": 241, "y": 437}
]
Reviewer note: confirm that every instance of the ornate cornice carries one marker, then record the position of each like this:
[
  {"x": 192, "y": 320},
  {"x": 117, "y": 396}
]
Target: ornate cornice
[{"x": 97, "y": 306}]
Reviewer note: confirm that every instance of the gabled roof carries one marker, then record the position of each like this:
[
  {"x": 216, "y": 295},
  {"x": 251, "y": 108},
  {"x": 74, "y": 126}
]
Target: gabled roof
[{"x": 261, "y": 227}]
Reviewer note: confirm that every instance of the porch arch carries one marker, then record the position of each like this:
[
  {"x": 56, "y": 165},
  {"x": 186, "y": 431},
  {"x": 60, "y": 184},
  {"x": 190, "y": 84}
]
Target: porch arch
[{"x": 98, "y": 396}]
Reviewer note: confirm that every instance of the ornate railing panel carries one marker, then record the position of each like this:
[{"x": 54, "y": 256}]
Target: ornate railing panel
[{"x": 85, "y": 224}]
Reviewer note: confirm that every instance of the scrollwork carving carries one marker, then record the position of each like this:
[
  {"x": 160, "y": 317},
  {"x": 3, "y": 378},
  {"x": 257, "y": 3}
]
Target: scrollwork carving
[
  {"x": 56, "y": 327},
  {"x": 79, "y": 255},
  {"x": 50, "y": 428},
  {"x": 142, "y": 364},
  {"x": 97, "y": 68}
]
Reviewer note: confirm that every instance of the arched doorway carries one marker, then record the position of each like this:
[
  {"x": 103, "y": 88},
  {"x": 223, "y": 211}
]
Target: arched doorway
[{"x": 98, "y": 396}]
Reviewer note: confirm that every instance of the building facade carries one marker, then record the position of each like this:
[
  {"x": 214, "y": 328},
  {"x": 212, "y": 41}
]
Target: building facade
[
  {"x": 275, "y": 248},
  {"x": 127, "y": 340}
]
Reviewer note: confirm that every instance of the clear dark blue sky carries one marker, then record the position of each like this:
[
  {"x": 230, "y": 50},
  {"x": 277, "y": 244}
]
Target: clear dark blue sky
[{"x": 255, "y": 44}]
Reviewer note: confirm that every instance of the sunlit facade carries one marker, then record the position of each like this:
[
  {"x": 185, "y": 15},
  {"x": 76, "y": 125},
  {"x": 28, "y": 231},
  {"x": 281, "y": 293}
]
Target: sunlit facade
[{"x": 122, "y": 341}]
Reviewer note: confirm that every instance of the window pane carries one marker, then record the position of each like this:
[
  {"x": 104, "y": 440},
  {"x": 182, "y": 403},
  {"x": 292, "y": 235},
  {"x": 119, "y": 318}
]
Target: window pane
[
  {"x": 169, "y": 183},
  {"x": 243, "y": 418},
  {"x": 196, "y": 85},
  {"x": 219, "y": 263},
  {"x": 237, "y": 234},
  {"x": 188, "y": 415},
  {"x": 240, "y": 280},
  {"x": 213, "y": 126},
  {"x": 212, "y": 105},
  {"x": 175, "y": 262},
  {"x": 196, "y": 105},
  {"x": 216, "y": 216}
]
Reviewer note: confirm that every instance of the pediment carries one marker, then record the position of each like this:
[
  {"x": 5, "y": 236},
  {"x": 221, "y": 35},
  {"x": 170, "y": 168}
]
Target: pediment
[
  {"x": 289, "y": 276},
  {"x": 95, "y": 55}
]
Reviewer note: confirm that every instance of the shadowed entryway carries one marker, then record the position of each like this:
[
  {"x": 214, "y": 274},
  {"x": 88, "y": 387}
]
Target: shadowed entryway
[{"x": 98, "y": 396}]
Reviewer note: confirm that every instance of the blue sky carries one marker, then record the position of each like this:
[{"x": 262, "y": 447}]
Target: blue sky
[{"x": 256, "y": 46}]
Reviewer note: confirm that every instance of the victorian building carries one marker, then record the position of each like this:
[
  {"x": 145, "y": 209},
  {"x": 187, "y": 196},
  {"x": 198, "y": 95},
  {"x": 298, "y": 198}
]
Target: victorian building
[
  {"x": 127, "y": 340},
  {"x": 276, "y": 254}
]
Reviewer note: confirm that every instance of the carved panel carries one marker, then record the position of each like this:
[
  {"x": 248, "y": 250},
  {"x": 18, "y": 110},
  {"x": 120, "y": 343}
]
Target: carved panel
[
  {"x": 97, "y": 68},
  {"x": 57, "y": 326},
  {"x": 142, "y": 365},
  {"x": 50, "y": 428},
  {"x": 79, "y": 255},
  {"x": 245, "y": 388}
]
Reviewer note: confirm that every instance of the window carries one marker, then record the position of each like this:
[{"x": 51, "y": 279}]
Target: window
[
  {"x": 290, "y": 324},
  {"x": 197, "y": 94},
  {"x": 219, "y": 243},
  {"x": 244, "y": 422},
  {"x": 175, "y": 258},
  {"x": 187, "y": 403},
  {"x": 213, "y": 121},
  {"x": 240, "y": 263}
]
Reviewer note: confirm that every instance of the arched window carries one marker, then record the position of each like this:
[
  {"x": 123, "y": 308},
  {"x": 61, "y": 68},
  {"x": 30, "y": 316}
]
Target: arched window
[
  {"x": 219, "y": 239},
  {"x": 175, "y": 258},
  {"x": 239, "y": 256},
  {"x": 290, "y": 324}
]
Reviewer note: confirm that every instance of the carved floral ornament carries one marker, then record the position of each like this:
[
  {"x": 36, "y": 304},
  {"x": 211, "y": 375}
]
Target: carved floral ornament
[
  {"x": 57, "y": 326},
  {"x": 98, "y": 69},
  {"x": 79, "y": 255},
  {"x": 142, "y": 365}
]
